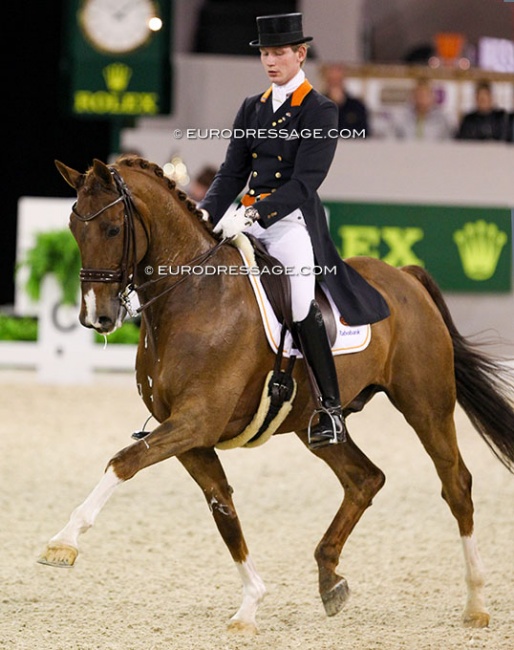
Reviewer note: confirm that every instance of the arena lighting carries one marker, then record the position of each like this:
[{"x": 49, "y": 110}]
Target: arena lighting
[
  {"x": 177, "y": 171},
  {"x": 155, "y": 24}
]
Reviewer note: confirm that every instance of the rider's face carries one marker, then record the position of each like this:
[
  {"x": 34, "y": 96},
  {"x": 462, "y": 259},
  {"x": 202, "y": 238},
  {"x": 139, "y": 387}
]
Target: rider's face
[{"x": 282, "y": 63}]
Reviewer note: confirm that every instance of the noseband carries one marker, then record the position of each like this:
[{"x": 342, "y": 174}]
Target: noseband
[{"x": 125, "y": 274}]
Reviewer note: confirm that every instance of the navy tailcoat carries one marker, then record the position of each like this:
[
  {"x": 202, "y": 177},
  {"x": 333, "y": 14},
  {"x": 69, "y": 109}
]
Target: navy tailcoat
[{"x": 286, "y": 155}]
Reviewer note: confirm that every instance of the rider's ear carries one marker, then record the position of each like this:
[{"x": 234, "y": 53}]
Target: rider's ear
[
  {"x": 103, "y": 173},
  {"x": 72, "y": 177}
]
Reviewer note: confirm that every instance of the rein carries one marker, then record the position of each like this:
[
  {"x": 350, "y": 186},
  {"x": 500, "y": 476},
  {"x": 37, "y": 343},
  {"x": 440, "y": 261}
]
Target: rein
[
  {"x": 124, "y": 275},
  {"x": 124, "y": 296}
]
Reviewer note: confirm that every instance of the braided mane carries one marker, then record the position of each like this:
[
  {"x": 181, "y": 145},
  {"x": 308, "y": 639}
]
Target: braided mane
[{"x": 131, "y": 160}]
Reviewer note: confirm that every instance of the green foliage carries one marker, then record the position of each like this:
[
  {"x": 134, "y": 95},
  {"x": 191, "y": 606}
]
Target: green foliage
[
  {"x": 128, "y": 333},
  {"x": 54, "y": 252},
  {"x": 17, "y": 329},
  {"x": 14, "y": 328}
]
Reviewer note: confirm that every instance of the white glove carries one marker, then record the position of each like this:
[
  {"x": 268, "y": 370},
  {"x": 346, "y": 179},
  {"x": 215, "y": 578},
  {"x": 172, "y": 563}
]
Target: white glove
[
  {"x": 232, "y": 224},
  {"x": 205, "y": 215}
]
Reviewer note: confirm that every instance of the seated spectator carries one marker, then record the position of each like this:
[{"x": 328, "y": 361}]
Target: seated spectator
[
  {"x": 486, "y": 122},
  {"x": 422, "y": 119},
  {"x": 353, "y": 113},
  {"x": 510, "y": 128}
]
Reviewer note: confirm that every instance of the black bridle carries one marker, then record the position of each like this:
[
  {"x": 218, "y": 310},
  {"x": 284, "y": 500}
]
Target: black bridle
[{"x": 126, "y": 272}]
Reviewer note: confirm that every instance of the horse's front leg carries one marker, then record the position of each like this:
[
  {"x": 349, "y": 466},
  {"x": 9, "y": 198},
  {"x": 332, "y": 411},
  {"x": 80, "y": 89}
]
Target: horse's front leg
[
  {"x": 62, "y": 549},
  {"x": 165, "y": 441},
  {"x": 205, "y": 468},
  {"x": 169, "y": 439}
]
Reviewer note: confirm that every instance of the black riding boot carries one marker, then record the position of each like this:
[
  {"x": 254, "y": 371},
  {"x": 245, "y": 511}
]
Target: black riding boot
[{"x": 315, "y": 345}]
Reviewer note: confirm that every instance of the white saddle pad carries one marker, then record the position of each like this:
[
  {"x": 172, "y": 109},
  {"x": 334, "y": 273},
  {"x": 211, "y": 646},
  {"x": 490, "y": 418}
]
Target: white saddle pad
[{"x": 348, "y": 340}]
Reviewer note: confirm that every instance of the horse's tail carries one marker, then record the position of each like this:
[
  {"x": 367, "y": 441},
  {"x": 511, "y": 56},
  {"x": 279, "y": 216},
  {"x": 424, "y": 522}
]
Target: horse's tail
[{"x": 485, "y": 387}]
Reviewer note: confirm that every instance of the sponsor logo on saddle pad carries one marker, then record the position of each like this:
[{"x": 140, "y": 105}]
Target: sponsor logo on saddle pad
[{"x": 348, "y": 340}]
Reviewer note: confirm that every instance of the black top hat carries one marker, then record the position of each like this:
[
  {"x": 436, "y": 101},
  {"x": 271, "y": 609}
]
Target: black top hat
[{"x": 280, "y": 29}]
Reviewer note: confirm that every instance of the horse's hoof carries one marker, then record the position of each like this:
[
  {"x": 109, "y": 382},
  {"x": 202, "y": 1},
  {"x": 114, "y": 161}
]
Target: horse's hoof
[
  {"x": 335, "y": 599},
  {"x": 59, "y": 555},
  {"x": 476, "y": 619},
  {"x": 241, "y": 627}
]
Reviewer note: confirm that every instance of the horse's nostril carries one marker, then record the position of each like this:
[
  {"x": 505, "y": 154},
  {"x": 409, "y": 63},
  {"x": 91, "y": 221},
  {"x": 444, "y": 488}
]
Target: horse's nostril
[{"x": 105, "y": 320}]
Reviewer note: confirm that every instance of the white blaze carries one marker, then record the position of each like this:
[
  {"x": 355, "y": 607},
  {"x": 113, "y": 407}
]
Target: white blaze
[{"x": 90, "y": 301}]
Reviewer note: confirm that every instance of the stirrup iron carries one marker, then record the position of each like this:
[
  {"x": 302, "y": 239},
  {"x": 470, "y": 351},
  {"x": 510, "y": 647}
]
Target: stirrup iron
[{"x": 338, "y": 429}]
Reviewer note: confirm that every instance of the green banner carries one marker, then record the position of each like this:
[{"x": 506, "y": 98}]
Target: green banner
[
  {"x": 464, "y": 248},
  {"x": 116, "y": 61},
  {"x": 117, "y": 88}
]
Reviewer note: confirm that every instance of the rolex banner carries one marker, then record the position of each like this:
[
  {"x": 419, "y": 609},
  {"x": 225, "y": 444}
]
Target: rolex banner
[
  {"x": 118, "y": 88},
  {"x": 116, "y": 58},
  {"x": 465, "y": 249}
]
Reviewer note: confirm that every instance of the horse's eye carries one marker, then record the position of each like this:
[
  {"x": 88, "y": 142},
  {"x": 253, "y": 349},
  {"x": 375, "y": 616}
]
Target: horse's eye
[{"x": 112, "y": 232}]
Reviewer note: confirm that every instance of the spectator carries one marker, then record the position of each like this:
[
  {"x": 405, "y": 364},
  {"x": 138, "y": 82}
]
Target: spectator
[
  {"x": 486, "y": 122},
  {"x": 201, "y": 182},
  {"x": 353, "y": 114},
  {"x": 423, "y": 119},
  {"x": 510, "y": 128}
]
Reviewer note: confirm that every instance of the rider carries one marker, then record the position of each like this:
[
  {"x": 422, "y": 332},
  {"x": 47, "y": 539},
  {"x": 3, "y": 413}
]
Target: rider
[{"x": 282, "y": 144}]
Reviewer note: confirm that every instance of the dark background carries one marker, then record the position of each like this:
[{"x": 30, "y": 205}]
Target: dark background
[{"x": 36, "y": 129}]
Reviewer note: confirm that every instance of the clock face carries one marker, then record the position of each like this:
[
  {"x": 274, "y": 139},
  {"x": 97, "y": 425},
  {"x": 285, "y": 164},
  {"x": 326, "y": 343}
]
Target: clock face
[{"x": 117, "y": 26}]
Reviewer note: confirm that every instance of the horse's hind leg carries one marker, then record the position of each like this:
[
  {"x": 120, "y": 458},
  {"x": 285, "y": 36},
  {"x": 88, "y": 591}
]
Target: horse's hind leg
[
  {"x": 433, "y": 421},
  {"x": 361, "y": 480},
  {"x": 205, "y": 468},
  {"x": 456, "y": 481}
]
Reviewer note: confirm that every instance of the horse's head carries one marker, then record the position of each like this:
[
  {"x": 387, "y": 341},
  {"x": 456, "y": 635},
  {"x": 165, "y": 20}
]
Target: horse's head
[{"x": 112, "y": 239}]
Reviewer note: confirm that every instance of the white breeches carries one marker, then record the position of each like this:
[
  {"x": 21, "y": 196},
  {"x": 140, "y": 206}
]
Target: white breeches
[{"x": 289, "y": 241}]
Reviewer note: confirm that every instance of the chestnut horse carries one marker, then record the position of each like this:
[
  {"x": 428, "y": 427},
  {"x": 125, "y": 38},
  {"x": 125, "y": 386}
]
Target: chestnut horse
[{"x": 203, "y": 357}]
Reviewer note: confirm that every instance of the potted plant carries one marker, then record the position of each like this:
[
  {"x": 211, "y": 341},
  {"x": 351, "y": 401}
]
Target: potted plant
[{"x": 54, "y": 252}]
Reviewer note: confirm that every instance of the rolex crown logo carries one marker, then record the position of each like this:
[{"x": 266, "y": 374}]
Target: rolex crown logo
[
  {"x": 117, "y": 77},
  {"x": 480, "y": 245}
]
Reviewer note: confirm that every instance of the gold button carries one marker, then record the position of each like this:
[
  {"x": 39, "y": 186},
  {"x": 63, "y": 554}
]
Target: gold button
[
  {"x": 274, "y": 189},
  {"x": 252, "y": 192},
  {"x": 254, "y": 155},
  {"x": 254, "y": 174},
  {"x": 273, "y": 124},
  {"x": 279, "y": 157},
  {"x": 278, "y": 175}
]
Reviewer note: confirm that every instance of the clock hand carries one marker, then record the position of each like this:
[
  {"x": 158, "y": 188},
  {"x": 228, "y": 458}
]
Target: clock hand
[{"x": 124, "y": 9}]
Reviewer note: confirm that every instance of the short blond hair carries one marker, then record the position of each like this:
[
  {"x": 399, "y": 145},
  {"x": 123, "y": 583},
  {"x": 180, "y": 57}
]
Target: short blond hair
[{"x": 296, "y": 47}]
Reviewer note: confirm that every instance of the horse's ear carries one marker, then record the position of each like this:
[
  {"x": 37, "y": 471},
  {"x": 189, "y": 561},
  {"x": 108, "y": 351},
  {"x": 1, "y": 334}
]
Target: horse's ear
[
  {"x": 71, "y": 176},
  {"x": 103, "y": 172}
]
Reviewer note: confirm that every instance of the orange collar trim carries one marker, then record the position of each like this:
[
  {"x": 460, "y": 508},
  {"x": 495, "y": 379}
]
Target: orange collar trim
[
  {"x": 301, "y": 93},
  {"x": 298, "y": 95},
  {"x": 265, "y": 95}
]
